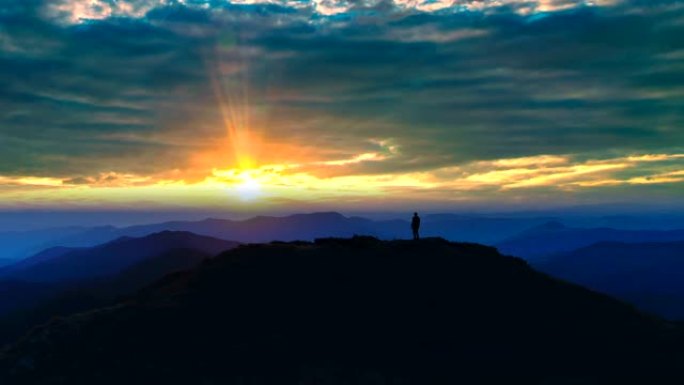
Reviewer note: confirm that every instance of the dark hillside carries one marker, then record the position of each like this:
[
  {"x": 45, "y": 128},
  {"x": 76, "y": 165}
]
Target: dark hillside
[
  {"x": 52, "y": 300},
  {"x": 357, "y": 311}
]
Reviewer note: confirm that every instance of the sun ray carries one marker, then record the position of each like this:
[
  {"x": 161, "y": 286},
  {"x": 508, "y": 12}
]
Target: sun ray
[{"x": 234, "y": 106}]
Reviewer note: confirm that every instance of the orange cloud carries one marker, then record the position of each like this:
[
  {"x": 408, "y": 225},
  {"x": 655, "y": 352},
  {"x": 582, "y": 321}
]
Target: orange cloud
[{"x": 267, "y": 184}]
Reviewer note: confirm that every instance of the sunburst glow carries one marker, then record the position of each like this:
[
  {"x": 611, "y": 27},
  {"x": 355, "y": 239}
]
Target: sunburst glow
[
  {"x": 249, "y": 189},
  {"x": 260, "y": 103}
]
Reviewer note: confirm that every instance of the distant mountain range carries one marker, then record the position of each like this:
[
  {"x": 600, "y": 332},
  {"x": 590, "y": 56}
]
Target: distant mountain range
[
  {"x": 650, "y": 275},
  {"x": 357, "y": 311},
  {"x": 78, "y": 254},
  {"x": 60, "y": 264},
  {"x": 6, "y": 261},
  {"x": 528, "y": 237},
  {"x": 553, "y": 238},
  {"x": 16, "y": 245},
  {"x": 265, "y": 229}
]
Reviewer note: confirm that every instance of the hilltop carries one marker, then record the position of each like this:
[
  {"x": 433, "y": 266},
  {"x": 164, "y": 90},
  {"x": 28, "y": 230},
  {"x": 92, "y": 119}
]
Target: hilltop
[{"x": 353, "y": 311}]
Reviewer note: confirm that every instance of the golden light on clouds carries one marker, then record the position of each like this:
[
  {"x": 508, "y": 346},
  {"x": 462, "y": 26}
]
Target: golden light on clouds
[
  {"x": 669, "y": 177},
  {"x": 31, "y": 181},
  {"x": 269, "y": 184}
]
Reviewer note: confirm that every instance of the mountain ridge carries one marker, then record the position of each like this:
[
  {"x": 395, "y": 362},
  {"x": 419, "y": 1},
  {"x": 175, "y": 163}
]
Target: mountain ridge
[
  {"x": 306, "y": 226},
  {"x": 646, "y": 274},
  {"x": 108, "y": 258},
  {"x": 547, "y": 241},
  {"x": 354, "y": 310}
]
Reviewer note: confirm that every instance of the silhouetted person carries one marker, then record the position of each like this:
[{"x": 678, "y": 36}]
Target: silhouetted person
[{"x": 415, "y": 226}]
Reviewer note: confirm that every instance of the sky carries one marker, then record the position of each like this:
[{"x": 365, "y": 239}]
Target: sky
[{"x": 364, "y": 104}]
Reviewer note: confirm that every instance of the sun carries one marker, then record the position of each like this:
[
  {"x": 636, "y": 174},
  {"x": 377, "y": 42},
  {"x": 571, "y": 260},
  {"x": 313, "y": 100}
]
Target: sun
[{"x": 249, "y": 188}]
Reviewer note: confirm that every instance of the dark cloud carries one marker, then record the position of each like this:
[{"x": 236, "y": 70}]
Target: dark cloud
[
  {"x": 139, "y": 94},
  {"x": 567, "y": 82},
  {"x": 86, "y": 96}
]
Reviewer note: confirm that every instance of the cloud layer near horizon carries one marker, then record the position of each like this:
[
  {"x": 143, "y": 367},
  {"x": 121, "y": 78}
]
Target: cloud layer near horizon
[{"x": 431, "y": 95}]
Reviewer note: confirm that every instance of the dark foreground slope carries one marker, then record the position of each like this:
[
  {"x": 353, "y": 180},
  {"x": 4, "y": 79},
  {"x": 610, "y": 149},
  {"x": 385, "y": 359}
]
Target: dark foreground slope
[
  {"x": 35, "y": 303},
  {"x": 355, "y": 311}
]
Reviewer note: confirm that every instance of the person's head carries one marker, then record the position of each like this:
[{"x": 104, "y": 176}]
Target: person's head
[{"x": 415, "y": 214}]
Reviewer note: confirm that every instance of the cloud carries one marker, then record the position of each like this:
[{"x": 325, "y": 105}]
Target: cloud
[
  {"x": 79, "y": 11},
  {"x": 542, "y": 177},
  {"x": 522, "y": 94}
]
